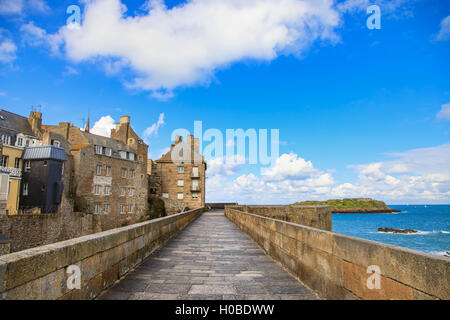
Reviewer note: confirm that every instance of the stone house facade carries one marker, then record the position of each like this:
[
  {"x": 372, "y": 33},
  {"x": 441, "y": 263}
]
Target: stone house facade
[
  {"x": 178, "y": 177},
  {"x": 109, "y": 174}
]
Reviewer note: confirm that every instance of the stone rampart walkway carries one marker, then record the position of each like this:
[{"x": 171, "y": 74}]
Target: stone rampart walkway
[{"x": 210, "y": 259}]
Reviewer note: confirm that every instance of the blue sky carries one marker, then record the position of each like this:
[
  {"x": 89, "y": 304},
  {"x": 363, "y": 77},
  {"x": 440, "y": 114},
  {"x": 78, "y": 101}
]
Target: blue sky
[{"x": 360, "y": 112}]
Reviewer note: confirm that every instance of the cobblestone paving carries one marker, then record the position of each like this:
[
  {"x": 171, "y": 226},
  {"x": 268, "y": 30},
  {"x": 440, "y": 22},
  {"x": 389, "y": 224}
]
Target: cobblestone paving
[{"x": 210, "y": 259}]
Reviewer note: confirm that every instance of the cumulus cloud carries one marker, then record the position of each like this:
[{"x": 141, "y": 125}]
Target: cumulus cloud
[
  {"x": 444, "y": 32},
  {"x": 103, "y": 126},
  {"x": 154, "y": 128},
  {"x": 186, "y": 44},
  {"x": 421, "y": 174},
  {"x": 418, "y": 174},
  {"x": 291, "y": 178},
  {"x": 225, "y": 166},
  {"x": 8, "y": 50},
  {"x": 444, "y": 113},
  {"x": 387, "y": 6}
]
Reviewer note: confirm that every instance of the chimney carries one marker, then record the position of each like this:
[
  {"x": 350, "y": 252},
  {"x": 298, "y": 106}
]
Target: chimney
[
  {"x": 178, "y": 139},
  {"x": 125, "y": 120},
  {"x": 65, "y": 126},
  {"x": 87, "y": 126},
  {"x": 35, "y": 121}
]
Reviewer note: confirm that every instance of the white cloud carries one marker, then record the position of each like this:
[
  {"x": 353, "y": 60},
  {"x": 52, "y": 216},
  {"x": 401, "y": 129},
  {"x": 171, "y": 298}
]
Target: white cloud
[
  {"x": 386, "y": 6},
  {"x": 444, "y": 113},
  {"x": 8, "y": 50},
  {"x": 70, "y": 71},
  {"x": 225, "y": 166},
  {"x": 185, "y": 45},
  {"x": 19, "y": 7},
  {"x": 444, "y": 32},
  {"x": 103, "y": 126},
  {"x": 154, "y": 128},
  {"x": 420, "y": 175},
  {"x": 9, "y": 7}
]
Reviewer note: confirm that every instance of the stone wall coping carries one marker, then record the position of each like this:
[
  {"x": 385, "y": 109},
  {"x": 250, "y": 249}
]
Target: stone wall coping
[{"x": 342, "y": 236}]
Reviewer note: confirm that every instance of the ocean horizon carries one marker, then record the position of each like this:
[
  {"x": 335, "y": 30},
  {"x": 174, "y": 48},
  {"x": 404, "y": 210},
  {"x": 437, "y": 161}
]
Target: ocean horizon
[{"x": 432, "y": 223}]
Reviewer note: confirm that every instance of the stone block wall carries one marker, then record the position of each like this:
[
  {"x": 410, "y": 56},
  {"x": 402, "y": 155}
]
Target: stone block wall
[
  {"x": 319, "y": 217},
  {"x": 336, "y": 266},
  {"x": 41, "y": 273}
]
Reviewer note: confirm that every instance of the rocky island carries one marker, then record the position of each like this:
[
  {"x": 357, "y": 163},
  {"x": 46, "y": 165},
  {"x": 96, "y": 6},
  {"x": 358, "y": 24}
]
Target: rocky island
[{"x": 356, "y": 205}]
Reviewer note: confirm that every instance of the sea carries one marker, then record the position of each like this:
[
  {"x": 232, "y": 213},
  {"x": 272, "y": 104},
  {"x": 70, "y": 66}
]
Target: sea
[{"x": 431, "y": 221}]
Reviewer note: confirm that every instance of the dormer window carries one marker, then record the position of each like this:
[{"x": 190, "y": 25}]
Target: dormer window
[
  {"x": 132, "y": 156},
  {"x": 6, "y": 139},
  {"x": 98, "y": 149},
  {"x": 123, "y": 154},
  {"x": 108, "y": 152}
]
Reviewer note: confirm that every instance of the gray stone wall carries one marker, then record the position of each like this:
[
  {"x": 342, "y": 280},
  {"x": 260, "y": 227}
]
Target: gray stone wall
[
  {"x": 312, "y": 216},
  {"x": 41, "y": 273},
  {"x": 336, "y": 266}
]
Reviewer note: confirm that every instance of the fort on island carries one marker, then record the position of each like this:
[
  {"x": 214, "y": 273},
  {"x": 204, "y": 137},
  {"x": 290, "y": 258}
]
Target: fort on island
[{"x": 84, "y": 216}]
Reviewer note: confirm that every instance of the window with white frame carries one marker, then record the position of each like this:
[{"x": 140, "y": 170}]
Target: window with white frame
[
  {"x": 19, "y": 141},
  {"x": 122, "y": 209},
  {"x": 130, "y": 192},
  {"x": 6, "y": 139},
  {"x": 180, "y": 183},
  {"x": 25, "y": 189},
  {"x": 180, "y": 169},
  {"x": 98, "y": 149},
  {"x": 165, "y": 195},
  {"x": 122, "y": 192},
  {"x": 107, "y": 190},
  {"x": 195, "y": 196},
  {"x": 56, "y": 143},
  {"x": 98, "y": 170},
  {"x": 108, "y": 152},
  {"x": 124, "y": 173},
  {"x": 123, "y": 154},
  {"x": 131, "y": 173},
  {"x": 194, "y": 184},
  {"x": 17, "y": 163},
  {"x": 108, "y": 171},
  {"x": 180, "y": 196},
  {"x": 195, "y": 171},
  {"x": 106, "y": 209},
  {"x": 27, "y": 165},
  {"x": 96, "y": 208},
  {"x": 97, "y": 190},
  {"x": 130, "y": 208},
  {"x": 132, "y": 157}
]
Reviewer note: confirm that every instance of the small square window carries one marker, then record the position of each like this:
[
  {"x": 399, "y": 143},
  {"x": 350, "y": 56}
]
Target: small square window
[
  {"x": 165, "y": 195},
  {"x": 180, "y": 169},
  {"x": 180, "y": 196},
  {"x": 180, "y": 183}
]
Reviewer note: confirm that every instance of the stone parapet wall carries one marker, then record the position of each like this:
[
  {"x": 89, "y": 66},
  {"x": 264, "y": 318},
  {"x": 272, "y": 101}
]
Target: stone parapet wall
[
  {"x": 41, "y": 273},
  {"x": 319, "y": 217},
  {"x": 335, "y": 266}
]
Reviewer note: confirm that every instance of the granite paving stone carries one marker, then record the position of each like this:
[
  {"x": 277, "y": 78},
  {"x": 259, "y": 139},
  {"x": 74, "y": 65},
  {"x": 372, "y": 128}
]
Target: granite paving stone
[{"x": 210, "y": 259}]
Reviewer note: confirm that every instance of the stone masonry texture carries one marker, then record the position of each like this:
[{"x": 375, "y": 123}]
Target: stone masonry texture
[{"x": 210, "y": 259}]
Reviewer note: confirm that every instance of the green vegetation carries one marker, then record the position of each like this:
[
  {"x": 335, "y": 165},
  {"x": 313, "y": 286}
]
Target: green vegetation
[{"x": 358, "y": 203}]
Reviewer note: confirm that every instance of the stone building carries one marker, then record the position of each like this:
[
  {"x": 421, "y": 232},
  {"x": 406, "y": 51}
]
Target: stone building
[
  {"x": 109, "y": 174},
  {"x": 178, "y": 177},
  {"x": 16, "y": 132}
]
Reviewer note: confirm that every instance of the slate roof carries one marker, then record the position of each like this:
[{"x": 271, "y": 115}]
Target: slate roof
[
  {"x": 115, "y": 145},
  {"x": 44, "y": 152},
  {"x": 14, "y": 122}
]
